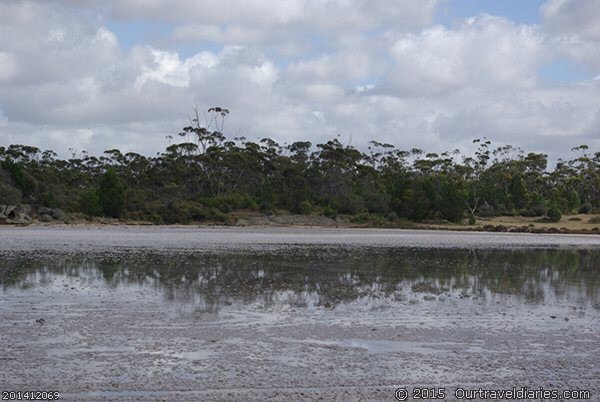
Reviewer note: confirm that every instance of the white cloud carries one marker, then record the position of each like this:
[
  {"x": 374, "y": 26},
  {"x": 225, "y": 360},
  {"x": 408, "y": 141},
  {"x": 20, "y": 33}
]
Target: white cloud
[
  {"x": 8, "y": 67},
  {"x": 363, "y": 69},
  {"x": 214, "y": 33},
  {"x": 484, "y": 51},
  {"x": 573, "y": 17},
  {"x": 324, "y": 14},
  {"x": 167, "y": 68},
  {"x": 573, "y": 27}
]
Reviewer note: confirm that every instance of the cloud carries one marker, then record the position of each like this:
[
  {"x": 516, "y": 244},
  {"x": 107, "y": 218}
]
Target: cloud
[
  {"x": 324, "y": 14},
  {"x": 215, "y": 33},
  {"x": 573, "y": 27},
  {"x": 573, "y": 17},
  {"x": 309, "y": 69},
  {"x": 484, "y": 51},
  {"x": 8, "y": 67}
]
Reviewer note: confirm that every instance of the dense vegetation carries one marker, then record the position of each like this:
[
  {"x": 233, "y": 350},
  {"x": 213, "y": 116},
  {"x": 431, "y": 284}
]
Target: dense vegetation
[{"x": 208, "y": 175}]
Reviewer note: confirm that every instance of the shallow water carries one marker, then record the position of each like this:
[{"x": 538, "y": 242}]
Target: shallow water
[
  {"x": 135, "y": 313},
  {"x": 313, "y": 277}
]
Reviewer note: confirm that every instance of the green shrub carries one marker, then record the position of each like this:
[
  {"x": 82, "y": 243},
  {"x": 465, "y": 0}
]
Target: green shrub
[
  {"x": 252, "y": 205},
  {"x": 585, "y": 208},
  {"x": 472, "y": 220},
  {"x": 48, "y": 199},
  {"x": 305, "y": 208},
  {"x": 378, "y": 220},
  {"x": 216, "y": 215},
  {"x": 573, "y": 200},
  {"x": 9, "y": 194},
  {"x": 188, "y": 211},
  {"x": 536, "y": 210},
  {"x": 111, "y": 192},
  {"x": 89, "y": 203},
  {"x": 16, "y": 172},
  {"x": 329, "y": 212},
  {"x": 554, "y": 213},
  {"x": 363, "y": 217}
]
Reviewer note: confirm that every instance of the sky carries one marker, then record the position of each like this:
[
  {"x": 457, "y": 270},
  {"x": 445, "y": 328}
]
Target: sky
[{"x": 85, "y": 75}]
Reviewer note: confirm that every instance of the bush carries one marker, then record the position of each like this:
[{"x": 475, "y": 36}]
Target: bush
[
  {"x": 48, "y": 199},
  {"x": 349, "y": 203},
  {"x": 15, "y": 171},
  {"x": 472, "y": 220},
  {"x": 305, "y": 208},
  {"x": 377, "y": 202},
  {"x": 252, "y": 205},
  {"x": 89, "y": 203},
  {"x": 111, "y": 193},
  {"x": 379, "y": 220},
  {"x": 186, "y": 212},
  {"x": 573, "y": 200},
  {"x": 360, "y": 218},
  {"x": 232, "y": 202},
  {"x": 452, "y": 202},
  {"x": 216, "y": 215},
  {"x": 536, "y": 210},
  {"x": 585, "y": 208},
  {"x": 176, "y": 212},
  {"x": 9, "y": 194},
  {"x": 537, "y": 205},
  {"x": 329, "y": 212},
  {"x": 486, "y": 211},
  {"x": 554, "y": 213}
]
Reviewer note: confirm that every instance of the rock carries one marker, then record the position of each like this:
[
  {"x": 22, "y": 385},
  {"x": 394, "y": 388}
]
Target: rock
[
  {"x": 8, "y": 210},
  {"x": 40, "y": 321},
  {"x": 18, "y": 219},
  {"x": 45, "y": 218},
  {"x": 44, "y": 211},
  {"x": 47, "y": 214},
  {"x": 16, "y": 214},
  {"x": 58, "y": 214},
  {"x": 24, "y": 209}
]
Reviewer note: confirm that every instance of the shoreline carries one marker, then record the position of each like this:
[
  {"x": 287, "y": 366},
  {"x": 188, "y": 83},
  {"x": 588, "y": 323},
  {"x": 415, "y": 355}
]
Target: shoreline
[
  {"x": 134, "y": 239},
  {"x": 37, "y": 216},
  {"x": 495, "y": 225}
]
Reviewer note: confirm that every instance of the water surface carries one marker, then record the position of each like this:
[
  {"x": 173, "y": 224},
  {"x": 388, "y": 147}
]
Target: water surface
[{"x": 252, "y": 314}]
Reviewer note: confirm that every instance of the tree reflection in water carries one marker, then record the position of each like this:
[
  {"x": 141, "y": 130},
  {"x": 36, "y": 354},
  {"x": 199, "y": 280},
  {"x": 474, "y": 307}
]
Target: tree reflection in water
[{"x": 309, "y": 276}]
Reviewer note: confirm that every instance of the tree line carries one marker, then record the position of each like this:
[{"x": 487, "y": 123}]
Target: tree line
[{"x": 208, "y": 175}]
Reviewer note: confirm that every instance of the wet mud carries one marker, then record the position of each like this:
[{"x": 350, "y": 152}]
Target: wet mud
[{"x": 294, "y": 314}]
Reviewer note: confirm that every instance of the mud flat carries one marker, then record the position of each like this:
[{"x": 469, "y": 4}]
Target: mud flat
[
  {"x": 65, "y": 239},
  {"x": 294, "y": 314}
]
